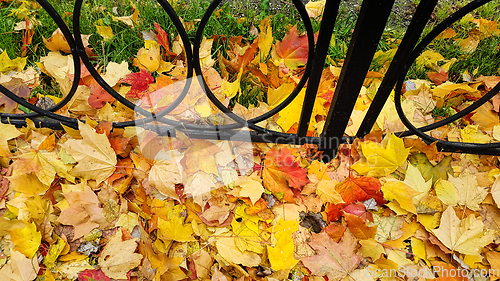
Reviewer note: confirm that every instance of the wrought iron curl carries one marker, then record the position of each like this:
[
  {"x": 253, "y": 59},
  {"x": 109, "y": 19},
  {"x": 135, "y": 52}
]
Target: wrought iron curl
[{"x": 456, "y": 146}]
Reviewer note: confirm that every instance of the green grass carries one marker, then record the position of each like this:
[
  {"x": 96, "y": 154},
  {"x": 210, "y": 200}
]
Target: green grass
[{"x": 236, "y": 18}]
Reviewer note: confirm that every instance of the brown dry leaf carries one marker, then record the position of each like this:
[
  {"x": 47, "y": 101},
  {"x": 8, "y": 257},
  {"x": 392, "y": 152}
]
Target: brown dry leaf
[
  {"x": 202, "y": 262},
  {"x": 199, "y": 186},
  {"x": 118, "y": 257},
  {"x": 485, "y": 117},
  {"x": 19, "y": 268},
  {"x": 335, "y": 260},
  {"x": 164, "y": 175},
  {"x": 96, "y": 159},
  {"x": 83, "y": 212}
]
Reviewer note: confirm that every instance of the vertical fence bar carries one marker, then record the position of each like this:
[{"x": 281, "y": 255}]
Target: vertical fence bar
[
  {"x": 417, "y": 25},
  {"x": 369, "y": 27},
  {"x": 322, "y": 45}
]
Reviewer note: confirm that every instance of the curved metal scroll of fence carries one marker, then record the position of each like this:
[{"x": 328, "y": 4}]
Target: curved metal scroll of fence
[{"x": 371, "y": 22}]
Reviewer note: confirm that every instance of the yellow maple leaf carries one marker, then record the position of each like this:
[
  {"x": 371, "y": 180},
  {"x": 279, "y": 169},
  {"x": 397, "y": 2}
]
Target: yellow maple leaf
[
  {"x": 416, "y": 181},
  {"x": 402, "y": 193},
  {"x": 175, "y": 228},
  {"x": 265, "y": 40},
  {"x": 7, "y": 65},
  {"x": 250, "y": 187},
  {"x": 7, "y": 132},
  {"x": 128, "y": 221},
  {"x": 446, "y": 192},
  {"x": 381, "y": 159},
  {"x": 96, "y": 159},
  {"x": 289, "y": 115},
  {"x": 315, "y": 9},
  {"x": 428, "y": 59},
  {"x": 469, "y": 192},
  {"x": 281, "y": 255},
  {"x": 115, "y": 72},
  {"x": 231, "y": 89},
  {"x": 149, "y": 57},
  {"x": 326, "y": 191},
  {"x": 319, "y": 169},
  {"x": 118, "y": 257},
  {"x": 247, "y": 239},
  {"x": 467, "y": 236},
  {"x": 106, "y": 32},
  {"x": 371, "y": 248},
  {"x": 472, "y": 134},
  {"x": 26, "y": 240},
  {"x": 485, "y": 117}
]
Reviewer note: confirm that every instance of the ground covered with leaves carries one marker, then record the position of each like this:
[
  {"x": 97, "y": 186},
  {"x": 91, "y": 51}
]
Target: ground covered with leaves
[{"x": 101, "y": 203}]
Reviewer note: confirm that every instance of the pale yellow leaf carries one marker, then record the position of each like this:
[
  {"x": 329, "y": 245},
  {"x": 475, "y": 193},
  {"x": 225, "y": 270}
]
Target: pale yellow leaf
[
  {"x": 19, "y": 268},
  {"x": 226, "y": 246},
  {"x": 495, "y": 192},
  {"x": 96, "y": 159},
  {"x": 164, "y": 174},
  {"x": 446, "y": 192},
  {"x": 327, "y": 193},
  {"x": 128, "y": 221},
  {"x": 7, "y": 132},
  {"x": 118, "y": 257},
  {"x": 415, "y": 180},
  {"x": 467, "y": 236},
  {"x": 250, "y": 188},
  {"x": 371, "y": 248},
  {"x": 469, "y": 192}
]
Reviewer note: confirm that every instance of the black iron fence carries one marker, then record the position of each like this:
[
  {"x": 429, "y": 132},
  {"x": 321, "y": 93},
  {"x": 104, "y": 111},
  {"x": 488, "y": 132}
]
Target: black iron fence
[{"x": 370, "y": 25}]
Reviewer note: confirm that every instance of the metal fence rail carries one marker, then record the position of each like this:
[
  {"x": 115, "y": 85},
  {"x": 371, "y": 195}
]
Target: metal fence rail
[{"x": 371, "y": 22}]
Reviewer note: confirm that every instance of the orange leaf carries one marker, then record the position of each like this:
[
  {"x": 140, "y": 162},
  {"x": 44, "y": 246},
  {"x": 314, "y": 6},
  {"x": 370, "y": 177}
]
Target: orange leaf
[
  {"x": 447, "y": 272},
  {"x": 360, "y": 189},
  {"x": 359, "y": 228},
  {"x": 335, "y": 231},
  {"x": 438, "y": 78},
  {"x": 281, "y": 172}
]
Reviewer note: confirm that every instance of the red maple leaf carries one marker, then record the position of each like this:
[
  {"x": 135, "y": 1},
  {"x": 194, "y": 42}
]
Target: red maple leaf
[
  {"x": 93, "y": 275},
  {"x": 98, "y": 96},
  {"x": 360, "y": 189},
  {"x": 162, "y": 38},
  {"x": 139, "y": 81}
]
